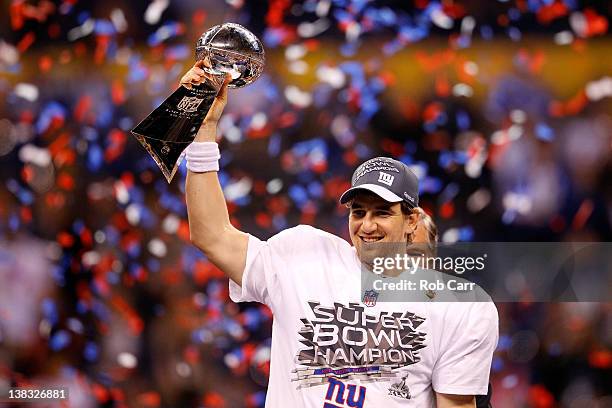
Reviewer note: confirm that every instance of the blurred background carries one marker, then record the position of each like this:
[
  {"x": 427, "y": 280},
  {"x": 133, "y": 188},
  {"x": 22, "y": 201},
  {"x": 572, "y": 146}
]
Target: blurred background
[{"x": 502, "y": 108}]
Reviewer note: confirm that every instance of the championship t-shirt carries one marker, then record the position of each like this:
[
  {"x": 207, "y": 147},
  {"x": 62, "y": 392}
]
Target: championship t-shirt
[{"x": 333, "y": 348}]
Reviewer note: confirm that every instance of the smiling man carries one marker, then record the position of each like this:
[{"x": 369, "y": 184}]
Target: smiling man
[{"x": 331, "y": 347}]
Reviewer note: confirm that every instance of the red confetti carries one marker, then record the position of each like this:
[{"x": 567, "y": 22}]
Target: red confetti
[
  {"x": 149, "y": 399},
  {"x": 276, "y": 12},
  {"x": 199, "y": 17},
  {"x": 540, "y": 397},
  {"x": 65, "y": 181},
  {"x": 65, "y": 239},
  {"x": 447, "y": 210},
  {"x": 432, "y": 111},
  {"x": 45, "y": 64},
  {"x": 26, "y": 41},
  {"x": 263, "y": 220},
  {"x": 443, "y": 88},
  {"x": 101, "y": 393},
  {"x": 582, "y": 215},
  {"x": 117, "y": 139},
  {"x": 213, "y": 400},
  {"x": 134, "y": 321},
  {"x": 601, "y": 359},
  {"x": 596, "y": 24},
  {"x": 549, "y": 12},
  {"x": 82, "y": 107},
  {"x": 117, "y": 92}
]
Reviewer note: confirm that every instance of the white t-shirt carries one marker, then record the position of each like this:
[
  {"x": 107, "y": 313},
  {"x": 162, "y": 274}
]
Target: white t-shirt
[{"x": 331, "y": 350}]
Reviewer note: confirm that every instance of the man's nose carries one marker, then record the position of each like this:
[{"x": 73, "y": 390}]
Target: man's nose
[{"x": 369, "y": 224}]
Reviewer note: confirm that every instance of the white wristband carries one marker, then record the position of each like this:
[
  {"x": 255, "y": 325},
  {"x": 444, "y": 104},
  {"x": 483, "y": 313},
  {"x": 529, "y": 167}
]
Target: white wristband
[{"x": 202, "y": 157}]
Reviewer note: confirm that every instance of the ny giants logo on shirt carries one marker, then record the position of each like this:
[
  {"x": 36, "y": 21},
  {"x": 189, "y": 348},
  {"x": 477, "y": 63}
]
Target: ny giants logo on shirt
[{"x": 345, "y": 394}]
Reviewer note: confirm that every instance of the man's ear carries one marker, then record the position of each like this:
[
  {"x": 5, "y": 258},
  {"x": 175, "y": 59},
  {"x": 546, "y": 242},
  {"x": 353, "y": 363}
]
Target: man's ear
[{"x": 410, "y": 223}]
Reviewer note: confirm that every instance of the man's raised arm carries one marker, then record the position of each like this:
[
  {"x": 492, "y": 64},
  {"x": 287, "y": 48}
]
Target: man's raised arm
[{"x": 209, "y": 224}]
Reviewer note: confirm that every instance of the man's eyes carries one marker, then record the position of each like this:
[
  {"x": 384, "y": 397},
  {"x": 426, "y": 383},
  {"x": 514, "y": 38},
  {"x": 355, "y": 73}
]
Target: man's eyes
[{"x": 361, "y": 213}]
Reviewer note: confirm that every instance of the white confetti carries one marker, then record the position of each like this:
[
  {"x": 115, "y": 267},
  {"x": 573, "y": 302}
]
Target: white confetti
[
  {"x": 127, "y": 360},
  {"x": 9, "y": 54},
  {"x": 298, "y": 67},
  {"x": 171, "y": 224},
  {"x": 309, "y": 30},
  {"x": 295, "y": 52},
  {"x": 471, "y": 68},
  {"x": 99, "y": 236},
  {"x": 518, "y": 116},
  {"x": 331, "y": 75},
  {"x": 578, "y": 23},
  {"x": 297, "y": 97},
  {"x": 75, "y": 325},
  {"x": 132, "y": 213},
  {"x": 467, "y": 25},
  {"x": 81, "y": 31},
  {"x": 515, "y": 132},
  {"x": 322, "y": 8},
  {"x": 274, "y": 186},
  {"x": 35, "y": 155},
  {"x": 520, "y": 203},
  {"x": 440, "y": 19},
  {"x": 118, "y": 19},
  {"x": 28, "y": 92},
  {"x": 353, "y": 31},
  {"x": 462, "y": 89},
  {"x": 90, "y": 258},
  {"x": 597, "y": 90},
  {"x": 233, "y": 134},
  {"x": 157, "y": 247},
  {"x": 238, "y": 189},
  {"x": 564, "y": 38},
  {"x": 478, "y": 200},
  {"x": 450, "y": 236},
  {"x": 121, "y": 193},
  {"x": 259, "y": 121},
  {"x": 155, "y": 10},
  {"x": 183, "y": 369}
]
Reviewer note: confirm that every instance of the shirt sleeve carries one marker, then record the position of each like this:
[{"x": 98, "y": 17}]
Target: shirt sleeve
[
  {"x": 467, "y": 350},
  {"x": 255, "y": 280},
  {"x": 267, "y": 262}
]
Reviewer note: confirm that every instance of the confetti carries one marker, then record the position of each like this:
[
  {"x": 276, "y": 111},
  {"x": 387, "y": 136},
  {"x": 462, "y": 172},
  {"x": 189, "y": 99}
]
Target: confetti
[{"x": 468, "y": 96}]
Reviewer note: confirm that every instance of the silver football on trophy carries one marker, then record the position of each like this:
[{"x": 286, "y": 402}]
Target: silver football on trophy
[{"x": 230, "y": 47}]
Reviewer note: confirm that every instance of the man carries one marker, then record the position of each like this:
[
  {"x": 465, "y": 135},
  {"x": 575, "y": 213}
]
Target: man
[
  {"x": 427, "y": 233},
  {"x": 330, "y": 349}
]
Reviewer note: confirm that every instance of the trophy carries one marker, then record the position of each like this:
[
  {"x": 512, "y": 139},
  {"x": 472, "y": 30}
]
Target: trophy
[{"x": 170, "y": 128}]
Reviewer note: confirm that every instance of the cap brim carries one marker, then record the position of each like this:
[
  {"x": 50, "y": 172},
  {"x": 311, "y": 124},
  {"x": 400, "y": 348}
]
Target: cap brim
[{"x": 376, "y": 189}]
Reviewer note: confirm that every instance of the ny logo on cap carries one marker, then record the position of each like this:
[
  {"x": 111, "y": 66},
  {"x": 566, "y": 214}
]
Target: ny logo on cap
[{"x": 385, "y": 178}]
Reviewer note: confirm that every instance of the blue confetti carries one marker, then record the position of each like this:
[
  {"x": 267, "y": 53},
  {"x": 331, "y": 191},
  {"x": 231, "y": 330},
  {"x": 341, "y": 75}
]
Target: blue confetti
[{"x": 60, "y": 340}]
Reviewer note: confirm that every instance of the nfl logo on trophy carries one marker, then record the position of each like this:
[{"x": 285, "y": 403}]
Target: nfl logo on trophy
[{"x": 189, "y": 104}]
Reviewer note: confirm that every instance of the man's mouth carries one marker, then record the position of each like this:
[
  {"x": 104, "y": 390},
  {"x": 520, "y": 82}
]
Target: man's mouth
[{"x": 370, "y": 239}]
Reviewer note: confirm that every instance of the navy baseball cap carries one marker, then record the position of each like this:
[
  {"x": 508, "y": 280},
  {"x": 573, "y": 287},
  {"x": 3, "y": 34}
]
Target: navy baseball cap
[{"x": 389, "y": 179}]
